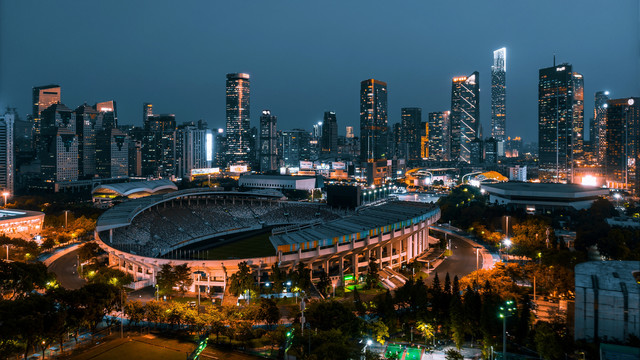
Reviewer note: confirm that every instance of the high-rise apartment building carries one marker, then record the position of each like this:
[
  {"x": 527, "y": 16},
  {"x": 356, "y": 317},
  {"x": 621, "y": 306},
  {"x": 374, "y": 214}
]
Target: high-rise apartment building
[
  {"x": 329, "y": 140},
  {"x": 465, "y": 114},
  {"x": 438, "y": 136},
  {"x": 560, "y": 122},
  {"x": 112, "y": 154},
  {"x": 238, "y": 118},
  {"x": 599, "y": 123},
  {"x": 373, "y": 120},
  {"x": 623, "y": 144},
  {"x": 191, "y": 149},
  {"x": 59, "y": 144},
  {"x": 42, "y": 98},
  {"x": 268, "y": 141},
  {"x": 159, "y": 146},
  {"x": 7, "y": 156},
  {"x": 147, "y": 111},
  {"x": 350, "y": 133},
  {"x": 411, "y": 120},
  {"x": 499, "y": 95}
]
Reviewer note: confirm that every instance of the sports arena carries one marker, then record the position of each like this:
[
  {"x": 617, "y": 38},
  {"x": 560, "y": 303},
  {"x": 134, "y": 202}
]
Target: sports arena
[{"x": 213, "y": 231}]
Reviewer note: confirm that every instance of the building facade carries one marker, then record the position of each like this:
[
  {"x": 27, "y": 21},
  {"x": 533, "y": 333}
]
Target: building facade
[
  {"x": 7, "y": 156},
  {"x": 560, "y": 122},
  {"x": 599, "y": 137},
  {"x": 438, "y": 136},
  {"x": 42, "y": 98},
  {"x": 329, "y": 140},
  {"x": 373, "y": 120},
  {"x": 622, "y": 153},
  {"x": 465, "y": 115},
  {"x": 411, "y": 121},
  {"x": 112, "y": 154},
  {"x": 296, "y": 147},
  {"x": 238, "y": 117},
  {"x": 499, "y": 95},
  {"x": 268, "y": 141}
]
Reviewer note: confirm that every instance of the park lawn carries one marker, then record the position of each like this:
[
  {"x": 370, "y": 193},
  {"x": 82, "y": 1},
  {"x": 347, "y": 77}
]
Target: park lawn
[
  {"x": 132, "y": 350},
  {"x": 413, "y": 353}
]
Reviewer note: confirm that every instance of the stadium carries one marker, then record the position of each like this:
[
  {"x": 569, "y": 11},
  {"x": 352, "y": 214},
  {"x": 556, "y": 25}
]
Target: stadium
[{"x": 213, "y": 231}]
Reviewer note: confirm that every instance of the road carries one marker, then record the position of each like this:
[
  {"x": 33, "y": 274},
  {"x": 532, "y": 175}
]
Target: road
[
  {"x": 461, "y": 263},
  {"x": 65, "y": 270}
]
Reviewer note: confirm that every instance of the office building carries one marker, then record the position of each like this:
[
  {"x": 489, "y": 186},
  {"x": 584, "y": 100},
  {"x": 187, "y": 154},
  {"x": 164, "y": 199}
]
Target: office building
[
  {"x": 491, "y": 151},
  {"x": 135, "y": 158},
  {"x": 499, "y": 95},
  {"x": 7, "y": 156},
  {"x": 623, "y": 144},
  {"x": 159, "y": 146},
  {"x": 518, "y": 173},
  {"x": 599, "y": 123},
  {"x": 191, "y": 149},
  {"x": 42, "y": 98},
  {"x": 438, "y": 136},
  {"x": 476, "y": 152},
  {"x": 238, "y": 118},
  {"x": 560, "y": 122},
  {"x": 465, "y": 114},
  {"x": 411, "y": 121},
  {"x": 373, "y": 120},
  {"x": 329, "y": 141},
  {"x": 147, "y": 111},
  {"x": 350, "y": 134},
  {"x": 268, "y": 141},
  {"x": 58, "y": 144},
  {"x": 88, "y": 125},
  {"x": 296, "y": 147},
  {"x": 112, "y": 154}
]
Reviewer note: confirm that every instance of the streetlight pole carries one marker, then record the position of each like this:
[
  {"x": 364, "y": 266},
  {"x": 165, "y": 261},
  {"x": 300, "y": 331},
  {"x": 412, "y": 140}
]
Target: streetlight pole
[
  {"x": 505, "y": 311},
  {"x": 65, "y": 218},
  {"x": 5, "y": 194}
]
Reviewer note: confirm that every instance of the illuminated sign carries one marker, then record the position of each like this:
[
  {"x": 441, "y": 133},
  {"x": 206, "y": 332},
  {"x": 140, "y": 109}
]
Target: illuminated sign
[
  {"x": 560, "y": 68},
  {"x": 209, "y": 146},
  {"x": 338, "y": 165},
  {"x": 459, "y": 78},
  {"x": 306, "y": 165},
  {"x": 103, "y": 109},
  {"x": 238, "y": 168},
  {"x": 589, "y": 180},
  {"x": 205, "y": 171}
]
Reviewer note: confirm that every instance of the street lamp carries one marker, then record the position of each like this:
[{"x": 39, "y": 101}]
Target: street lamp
[
  {"x": 157, "y": 293},
  {"x": 65, "y": 218},
  {"x": 5, "y": 194},
  {"x": 507, "y": 243},
  {"x": 505, "y": 312}
]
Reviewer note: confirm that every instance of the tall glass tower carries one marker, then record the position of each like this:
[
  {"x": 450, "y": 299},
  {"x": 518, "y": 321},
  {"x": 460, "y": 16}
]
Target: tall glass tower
[
  {"x": 465, "y": 114},
  {"x": 373, "y": 120},
  {"x": 599, "y": 138},
  {"x": 238, "y": 118},
  {"x": 499, "y": 95}
]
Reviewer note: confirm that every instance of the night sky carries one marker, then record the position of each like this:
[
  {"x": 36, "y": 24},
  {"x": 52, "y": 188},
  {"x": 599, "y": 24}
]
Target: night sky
[{"x": 309, "y": 57}]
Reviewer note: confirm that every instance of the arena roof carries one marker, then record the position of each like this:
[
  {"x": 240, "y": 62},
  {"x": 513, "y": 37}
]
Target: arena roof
[
  {"x": 129, "y": 188},
  {"x": 372, "y": 219},
  {"x": 11, "y": 215},
  {"x": 122, "y": 214},
  {"x": 544, "y": 190}
]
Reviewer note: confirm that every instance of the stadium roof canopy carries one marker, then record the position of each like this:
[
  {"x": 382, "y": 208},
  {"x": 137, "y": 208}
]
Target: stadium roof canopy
[
  {"x": 136, "y": 187},
  {"x": 370, "y": 221}
]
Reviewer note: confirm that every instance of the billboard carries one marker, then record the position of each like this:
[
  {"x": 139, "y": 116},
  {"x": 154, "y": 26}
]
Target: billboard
[
  {"x": 338, "y": 166},
  {"x": 238, "y": 168},
  {"x": 306, "y": 165},
  {"x": 205, "y": 171}
]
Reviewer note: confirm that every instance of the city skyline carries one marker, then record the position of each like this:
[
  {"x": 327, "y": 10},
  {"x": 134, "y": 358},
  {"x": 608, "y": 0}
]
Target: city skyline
[{"x": 196, "y": 90}]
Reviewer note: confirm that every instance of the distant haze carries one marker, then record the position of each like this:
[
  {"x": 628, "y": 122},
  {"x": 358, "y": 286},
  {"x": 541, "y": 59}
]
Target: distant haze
[{"x": 308, "y": 57}]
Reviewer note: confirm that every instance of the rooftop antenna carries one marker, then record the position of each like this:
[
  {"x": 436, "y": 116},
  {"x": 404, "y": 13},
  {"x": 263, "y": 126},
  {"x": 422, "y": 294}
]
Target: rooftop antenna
[{"x": 554, "y": 59}]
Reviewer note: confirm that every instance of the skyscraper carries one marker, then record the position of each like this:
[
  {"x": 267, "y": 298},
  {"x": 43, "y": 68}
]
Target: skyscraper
[
  {"x": 329, "y": 141},
  {"x": 438, "y": 136},
  {"x": 560, "y": 121},
  {"x": 110, "y": 113},
  {"x": 147, "y": 111},
  {"x": 465, "y": 114},
  {"x": 498, "y": 95},
  {"x": 350, "y": 134},
  {"x": 112, "y": 154},
  {"x": 296, "y": 147},
  {"x": 191, "y": 148},
  {"x": 599, "y": 138},
  {"x": 373, "y": 120},
  {"x": 88, "y": 125},
  {"x": 59, "y": 144},
  {"x": 268, "y": 141},
  {"x": 238, "y": 118},
  {"x": 42, "y": 98},
  {"x": 623, "y": 144},
  {"x": 7, "y": 157},
  {"x": 411, "y": 119},
  {"x": 159, "y": 146}
]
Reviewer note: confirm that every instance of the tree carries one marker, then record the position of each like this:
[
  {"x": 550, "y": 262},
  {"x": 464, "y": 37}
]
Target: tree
[
  {"x": 453, "y": 354},
  {"x": 548, "y": 341},
  {"x": 301, "y": 277},
  {"x": 327, "y": 315},
  {"x": 277, "y": 278},
  {"x": 457, "y": 320},
  {"x": 166, "y": 280},
  {"x": 426, "y": 330},
  {"x": 380, "y": 331},
  {"x": 88, "y": 251},
  {"x": 372, "y": 278},
  {"x": 18, "y": 279},
  {"x": 269, "y": 311},
  {"x": 135, "y": 310},
  {"x": 183, "y": 277},
  {"x": 324, "y": 283}
]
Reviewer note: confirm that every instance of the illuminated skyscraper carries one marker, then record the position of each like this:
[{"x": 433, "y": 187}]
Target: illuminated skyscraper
[
  {"x": 560, "y": 121},
  {"x": 112, "y": 154},
  {"x": 296, "y": 147},
  {"x": 88, "y": 125},
  {"x": 465, "y": 114},
  {"x": 42, "y": 98},
  {"x": 350, "y": 134},
  {"x": 499, "y": 95},
  {"x": 373, "y": 120},
  {"x": 110, "y": 113},
  {"x": 191, "y": 149},
  {"x": 238, "y": 118},
  {"x": 329, "y": 141},
  {"x": 147, "y": 111},
  {"x": 622, "y": 153},
  {"x": 59, "y": 144},
  {"x": 7, "y": 157},
  {"x": 411, "y": 120},
  {"x": 268, "y": 141},
  {"x": 599, "y": 138},
  {"x": 438, "y": 136}
]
